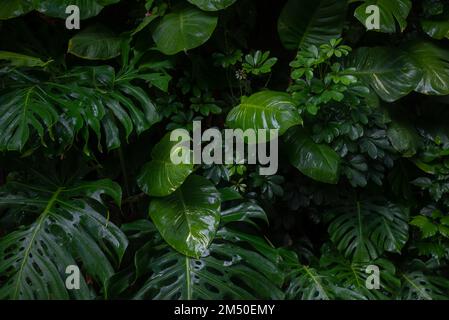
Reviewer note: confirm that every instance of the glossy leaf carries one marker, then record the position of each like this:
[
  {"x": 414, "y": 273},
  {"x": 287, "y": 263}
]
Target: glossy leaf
[
  {"x": 188, "y": 219},
  {"x": 437, "y": 27},
  {"x": 183, "y": 29},
  {"x": 238, "y": 266},
  {"x": 65, "y": 227},
  {"x": 212, "y": 5},
  {"x": 161, "y": 177},
  {"x": 390, "y": 13},
  {"x": 317, "y": 161},
  {"x": 434, "y": 64},
  {"x": 57, "y": 8},
  {"x": 366, "y": 229},
  {"x": 390, "y": 72},
  {"x": 310, "y": 22},
  {"x": 95, "y": 43},
  {"x": 265, "y": 110}
]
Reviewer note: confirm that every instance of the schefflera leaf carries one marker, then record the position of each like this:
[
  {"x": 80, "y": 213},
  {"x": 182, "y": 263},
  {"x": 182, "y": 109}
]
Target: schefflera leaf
[
  {"x": 161, "y": 176},
  {"x": 189, "y": 218},
  {"x": 69, "y": 228},
  {"x": 317, "y": 161},
  {"x": 265, "y": 110},
  {"x": 185, "y": 28},
  {"x": 212, "y": 5}
]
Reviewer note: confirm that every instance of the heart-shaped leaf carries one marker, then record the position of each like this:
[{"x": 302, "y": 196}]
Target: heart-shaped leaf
[
  {"x": 390, "y": 12},
  {"x": 96, "y": 43},
  {"x": 390, "y": 72},
  {"x": 188, "y": 219},
  {"x": 265, "y": 110},
  {"x": 310, "y": 22},
  {"x": 161, "y": 177},
  {"x": 183, "y": 29},
  {"x": 317, "y": 161}
]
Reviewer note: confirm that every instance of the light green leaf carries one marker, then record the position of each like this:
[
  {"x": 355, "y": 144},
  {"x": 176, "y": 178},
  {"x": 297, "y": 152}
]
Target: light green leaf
[
  {"x": 188, "y": 219},
  {"x": 161, "y": 177},
  {"x": 265, "y": 110},
  {"x": 437, "y": 27},
  {"x": 183, "y": 29},
  {"x": 311, "y": 22}
]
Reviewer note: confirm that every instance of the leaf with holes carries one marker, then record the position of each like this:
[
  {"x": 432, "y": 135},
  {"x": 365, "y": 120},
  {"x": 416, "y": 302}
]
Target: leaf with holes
[{"x": 67, "y": 228}]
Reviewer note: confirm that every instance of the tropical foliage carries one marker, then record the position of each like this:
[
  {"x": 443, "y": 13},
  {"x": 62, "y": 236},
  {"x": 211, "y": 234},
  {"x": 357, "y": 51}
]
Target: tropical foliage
[{"x": 86, "y": 176}]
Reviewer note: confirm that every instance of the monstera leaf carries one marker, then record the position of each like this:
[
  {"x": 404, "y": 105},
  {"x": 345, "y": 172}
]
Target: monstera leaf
[
  {"x": 67, "y": 227},
  {"x": 390, "y": 12},
  {"x": 434, "y": 64},
  {"x": 354, "y": 275},
  {"x": 96, "y": 43},
  {"x": 188, "y": 219},
  {"x": 368, "y": 228},
  {"x": 183, "y": 29},
  {"x": 423, "y": 282},
  {"x": 161, "y": 177},
  {"x": 236, "y": 266},
  {"x": 85, "y": 98},
  {"x": 212, "y": 5},
  {"x": 265, "y": 110},
  {"x": 309, "y": 283},
  {"x": 389, "y": 72},
  {"x": 317, "y": 161},
  {"x": 311, "y": 22},
  {"x": 55, "y": 8}
]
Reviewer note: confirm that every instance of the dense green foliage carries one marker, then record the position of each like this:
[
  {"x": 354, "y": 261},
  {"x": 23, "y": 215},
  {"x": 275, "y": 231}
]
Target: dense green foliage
[{"x": 85, "y": 170}]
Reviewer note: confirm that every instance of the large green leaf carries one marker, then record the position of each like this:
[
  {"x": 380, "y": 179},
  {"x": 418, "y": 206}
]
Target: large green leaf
[
  {"x": 433, "y": 61},
  {"x": 96, "y": 43},
  {"x": 317, "y": 161},
  {"x": 390, "y": 12},
  {"x": 212, "y": 5},
  {"x": 309, "y": 283},
  {"x": 21, "y": 60},
  {"x": 183, "y": 29},
  {"x": 237, "y": 266},
  {"x": 14, "y": 8},
  {"x": 366, "y": 229},
  {"x": 161, "y": 177},
  {"x": 188, "y": 219},
  {"x": 265, "y": 110},
  {"x": 420, "y": 286},
  {"x": 352, "y": 274},
  {"x": 66, "y": 227},
  {"x": 390, "y": 72},
  {"x": 311, "y": 22},
  {"x": 403, "y": 138},
  {"x": 437, "y": 27},
  {"x": 84, "y": 98}
]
